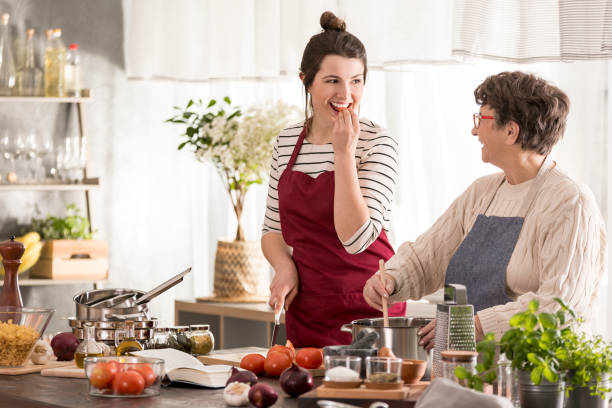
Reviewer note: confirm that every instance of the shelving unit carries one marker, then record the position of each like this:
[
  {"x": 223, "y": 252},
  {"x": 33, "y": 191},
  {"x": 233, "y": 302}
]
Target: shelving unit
[{"x": 88, "y": 183}]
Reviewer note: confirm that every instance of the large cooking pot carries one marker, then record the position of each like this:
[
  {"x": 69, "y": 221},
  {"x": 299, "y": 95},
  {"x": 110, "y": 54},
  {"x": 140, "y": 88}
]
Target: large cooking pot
[
  {"x": 85, "y": 312},
  {"x": 401, "y": 336}
]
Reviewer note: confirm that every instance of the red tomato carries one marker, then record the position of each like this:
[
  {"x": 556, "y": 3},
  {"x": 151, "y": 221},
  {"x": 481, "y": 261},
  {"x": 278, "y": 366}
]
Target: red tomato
[
  {"x": 102, "y": 375},
  {"x": 146, "y": 371},
  {"x": 128, "y": 382},
  {"x": 283, "y": 349},
  {"x": 253, "y": 362},
  {"x": 309, "y": 358},
  {"x": 276, "y": 363}
]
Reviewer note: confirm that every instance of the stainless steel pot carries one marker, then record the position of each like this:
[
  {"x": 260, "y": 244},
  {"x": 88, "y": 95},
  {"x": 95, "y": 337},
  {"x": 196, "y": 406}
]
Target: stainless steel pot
[
  {"x": 401, "y": 336},
  {"x": 85, "y": 312}
]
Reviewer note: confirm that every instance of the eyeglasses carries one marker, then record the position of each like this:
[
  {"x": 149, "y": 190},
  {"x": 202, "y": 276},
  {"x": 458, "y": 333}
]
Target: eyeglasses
[{"x": 478, "y": 116}]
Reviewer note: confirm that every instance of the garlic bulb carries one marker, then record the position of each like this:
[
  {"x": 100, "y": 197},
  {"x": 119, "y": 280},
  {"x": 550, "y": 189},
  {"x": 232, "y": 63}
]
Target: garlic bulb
[
  {"x": 236, "y": 394},
  {"x": 42, "y": 352}
]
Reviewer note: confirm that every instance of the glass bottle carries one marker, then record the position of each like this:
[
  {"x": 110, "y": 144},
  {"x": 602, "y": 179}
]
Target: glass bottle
[
  {"x": 88, "y": 347},
  {"x": 455, "y": 358},
  {"x": 201, "y": 339},
  {"x": 72, "y": 71},
  {"x": 55, "y": 60},
  {"x": 7, "y": 63},
  {"x": 129, "y": 342},
  {"x": 29, "y": 77},
  {"x": 160, "y": 338}
]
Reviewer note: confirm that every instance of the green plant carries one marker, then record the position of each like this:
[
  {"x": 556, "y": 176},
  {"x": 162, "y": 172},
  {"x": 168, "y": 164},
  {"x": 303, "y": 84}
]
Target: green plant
[
  {"x": 72, "y": 226},
  {"x": 587, "y": 361},
  {"x": 485, "y": 371},
  {"x": 239, "y": 144}
]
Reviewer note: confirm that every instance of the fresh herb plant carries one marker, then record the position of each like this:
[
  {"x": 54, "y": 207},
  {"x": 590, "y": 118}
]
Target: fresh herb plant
[
  {"x": 485, "y": 371},
  {"x": 72, "y": 226}
]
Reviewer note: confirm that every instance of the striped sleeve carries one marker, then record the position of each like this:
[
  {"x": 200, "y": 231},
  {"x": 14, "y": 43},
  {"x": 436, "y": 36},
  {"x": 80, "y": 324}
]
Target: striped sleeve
[
  {"x": 272, "y": 218},
  {"x": 377, "y": 173}
]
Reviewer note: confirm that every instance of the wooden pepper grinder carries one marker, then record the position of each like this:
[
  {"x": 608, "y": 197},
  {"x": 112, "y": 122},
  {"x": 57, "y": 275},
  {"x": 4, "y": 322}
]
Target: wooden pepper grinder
[{"x": 11, "y": 252}]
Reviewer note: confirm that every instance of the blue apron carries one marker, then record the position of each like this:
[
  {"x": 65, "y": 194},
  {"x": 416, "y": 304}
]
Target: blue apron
[{"x": 481, "y": 260}]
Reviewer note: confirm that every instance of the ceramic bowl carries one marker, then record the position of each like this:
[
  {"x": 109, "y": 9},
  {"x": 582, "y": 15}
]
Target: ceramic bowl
[{"x": 413, "y": 370}]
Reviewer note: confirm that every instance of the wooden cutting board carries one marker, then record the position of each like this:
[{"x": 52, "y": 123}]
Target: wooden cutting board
[
  {"x": 406, "y": 392},
  {"x": 233, "y": 359},
  {"x": 30, "y": 368},
  {"x": 71, "y": 371}
]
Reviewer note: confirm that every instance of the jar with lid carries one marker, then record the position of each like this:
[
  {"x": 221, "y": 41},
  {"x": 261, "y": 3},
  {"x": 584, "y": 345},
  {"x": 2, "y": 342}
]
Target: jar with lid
[
  {"x": 160, "y": 338},
  {"x": 178, "y": 338},
  {"x": 452, "y": 359},
  {"x": 201, "y": 339}
]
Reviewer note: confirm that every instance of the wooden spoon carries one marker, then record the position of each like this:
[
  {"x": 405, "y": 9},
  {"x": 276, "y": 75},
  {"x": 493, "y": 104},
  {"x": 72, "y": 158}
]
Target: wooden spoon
[{"x": 381, "y": 266}]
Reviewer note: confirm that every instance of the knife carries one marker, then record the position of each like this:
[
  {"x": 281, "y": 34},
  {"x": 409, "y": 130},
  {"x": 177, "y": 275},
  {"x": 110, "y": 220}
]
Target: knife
[{"x": 276, "y": 323}]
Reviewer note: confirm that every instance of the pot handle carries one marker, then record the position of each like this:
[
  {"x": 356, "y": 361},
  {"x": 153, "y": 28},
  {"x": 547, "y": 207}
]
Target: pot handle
[
  {"x": 347, "y": 328},
  {"x": 122, "y": 316}
]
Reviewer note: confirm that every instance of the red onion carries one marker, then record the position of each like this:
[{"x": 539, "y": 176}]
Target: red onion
[
  {"x": 262, "y": 395},
  {"x": 295, "y": 380},
  {"x": 245, "y": 376},
  {"x": 64, "y": 345}
]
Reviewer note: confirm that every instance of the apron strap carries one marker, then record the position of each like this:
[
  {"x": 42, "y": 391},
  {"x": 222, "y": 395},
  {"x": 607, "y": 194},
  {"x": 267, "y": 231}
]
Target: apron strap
[{"x": 296, "y": 149}]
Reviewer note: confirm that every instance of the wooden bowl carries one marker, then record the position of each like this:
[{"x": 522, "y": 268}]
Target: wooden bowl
[
  {"x": 341, "y": 384},
  {"x": 384, "y": 386},
  {"x": 413, "y": 370}
]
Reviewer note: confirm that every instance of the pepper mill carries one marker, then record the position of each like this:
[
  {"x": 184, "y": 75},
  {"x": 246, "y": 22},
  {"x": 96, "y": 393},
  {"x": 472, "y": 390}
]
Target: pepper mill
[{"x": 11, "y": 252}]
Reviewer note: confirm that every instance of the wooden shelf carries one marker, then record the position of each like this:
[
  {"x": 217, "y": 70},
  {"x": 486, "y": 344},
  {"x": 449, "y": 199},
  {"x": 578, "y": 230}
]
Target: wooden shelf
[
  {"x": 85, "y": 97},
  {"x": 87, "y": 184},
  {"x": 54, "y": 282}
]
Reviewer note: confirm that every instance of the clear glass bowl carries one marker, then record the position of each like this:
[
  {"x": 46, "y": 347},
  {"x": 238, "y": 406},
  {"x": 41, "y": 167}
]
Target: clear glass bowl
[
  {"x": 124, "y": 376},
  {"x": 20, "y": 329},
  {"x": 342, "y": 368},
  {"x": 383, "y": 370}
]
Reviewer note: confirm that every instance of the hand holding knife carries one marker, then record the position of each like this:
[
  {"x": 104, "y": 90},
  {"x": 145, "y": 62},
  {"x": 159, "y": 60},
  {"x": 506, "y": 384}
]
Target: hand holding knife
[{"x": 277, "y": 314}]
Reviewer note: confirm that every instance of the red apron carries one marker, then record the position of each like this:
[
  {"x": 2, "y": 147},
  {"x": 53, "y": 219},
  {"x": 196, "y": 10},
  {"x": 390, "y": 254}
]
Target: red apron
[{"x": 331, "y": 280}]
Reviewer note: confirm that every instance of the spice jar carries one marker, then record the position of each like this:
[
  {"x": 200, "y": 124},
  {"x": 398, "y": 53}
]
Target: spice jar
[
  {"x": 178, "y": 338},
  {"x": 160, "y": 338},
  {"x": 452, "y": 359},
  {"x": 383, "y": 370},
  {"x": 201, "y": 339}
]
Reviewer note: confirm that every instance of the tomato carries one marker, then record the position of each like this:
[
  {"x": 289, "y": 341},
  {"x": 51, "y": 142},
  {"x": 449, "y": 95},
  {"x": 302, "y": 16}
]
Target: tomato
[
  {"x": 283, "y": 349},
  {"x": 128, "y": 382},
  {"x": 253, "y": 362},
  {"x": 276, "y": 363},
  {"x": 146, "y": 371},
  {"x": 309, "y": 358},
  {"x": 102, "y": 374}
]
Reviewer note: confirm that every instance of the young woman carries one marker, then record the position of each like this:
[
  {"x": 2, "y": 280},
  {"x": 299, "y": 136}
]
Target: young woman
[{"x": 331, "y": 184}]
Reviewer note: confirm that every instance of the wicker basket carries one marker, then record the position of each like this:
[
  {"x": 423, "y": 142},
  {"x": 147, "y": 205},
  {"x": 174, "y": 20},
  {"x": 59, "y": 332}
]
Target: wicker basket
[{"x": 241, "y": 272}]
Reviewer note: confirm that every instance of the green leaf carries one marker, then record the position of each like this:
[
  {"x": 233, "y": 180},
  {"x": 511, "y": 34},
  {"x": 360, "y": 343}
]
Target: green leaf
[
  {"x": 189, "y": 104},
  {"x": 536, "y": 375},
  {"x": 517, "y": 320},
  {"x": 227, "y": 100},
  {"x": 182, "y": 145},
  {"x": 461, "y": 373},
  {"x": 490, "y": 377},
  {"x": 480, "y": 367},
  {"x": 561, "y": 316},
  {"x": 535, "y": 359},
  {"x": 550, "y": 374},
  {"x": 534, "y": 306},
  {"x": 547, "y": 320},
  {"x": 530, "y": 322},
  {"x": 211, "y": 103}
]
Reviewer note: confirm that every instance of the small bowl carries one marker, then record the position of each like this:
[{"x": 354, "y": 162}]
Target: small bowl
[
  {"x": 102, "y": 375},
  {"x": 345, "y": 351},
  {"x": 343, "y": 370},
  {"x": 413, "y": 370},
  {"x": 383, "y": 370},
  {"x": 20, "y": 329}
]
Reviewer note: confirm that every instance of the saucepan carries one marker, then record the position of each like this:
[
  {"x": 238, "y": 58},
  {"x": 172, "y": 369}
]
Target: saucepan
[{"x": 401, "y": 336}]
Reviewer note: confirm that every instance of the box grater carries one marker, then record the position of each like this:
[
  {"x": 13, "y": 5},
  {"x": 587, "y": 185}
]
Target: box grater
[{"x": 454, "y": 325}]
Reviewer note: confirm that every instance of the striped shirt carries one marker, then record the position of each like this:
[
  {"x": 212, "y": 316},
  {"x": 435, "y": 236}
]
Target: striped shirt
[{"x": 376, "y": 156}]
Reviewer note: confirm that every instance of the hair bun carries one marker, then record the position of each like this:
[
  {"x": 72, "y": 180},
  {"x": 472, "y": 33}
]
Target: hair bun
[{"x": 329, "y": 21}]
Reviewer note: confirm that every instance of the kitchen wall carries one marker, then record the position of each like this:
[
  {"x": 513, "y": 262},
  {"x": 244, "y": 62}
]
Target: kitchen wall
[{"x": 152, "y": 199}]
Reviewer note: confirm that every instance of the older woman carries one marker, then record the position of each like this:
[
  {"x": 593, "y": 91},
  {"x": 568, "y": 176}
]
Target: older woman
[{"x": 529, "y": 232}]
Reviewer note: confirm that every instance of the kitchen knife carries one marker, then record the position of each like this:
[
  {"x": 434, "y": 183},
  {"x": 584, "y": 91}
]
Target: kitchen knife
[{"x": 276, "y": 323}]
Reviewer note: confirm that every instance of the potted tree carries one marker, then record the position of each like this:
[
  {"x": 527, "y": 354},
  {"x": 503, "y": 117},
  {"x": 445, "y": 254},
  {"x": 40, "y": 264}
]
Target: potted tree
[
  {"x": 588, "y": 362},
  {"x": 239, "y": 144}
]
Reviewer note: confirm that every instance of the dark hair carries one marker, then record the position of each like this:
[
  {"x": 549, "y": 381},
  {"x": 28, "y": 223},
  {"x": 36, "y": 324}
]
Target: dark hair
[
  {"x": 540, "y": 109},
  {"x": 334, "y": 40}
]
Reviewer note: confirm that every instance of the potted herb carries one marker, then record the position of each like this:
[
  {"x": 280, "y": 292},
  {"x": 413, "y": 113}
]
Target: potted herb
[
  {"x": 588, "y": 362},
  {"x": 69, "y": 252}
]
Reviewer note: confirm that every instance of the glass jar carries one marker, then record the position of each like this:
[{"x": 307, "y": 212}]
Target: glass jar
[
  {"x": 201, "y": 339},
  {"x": 89, "y": 347},
  {"x": 452, "y": 359},
  {"x": 383, "y": 370},
  {"x": 178, "y": 338},
  {"x": 160, "y": 338}
]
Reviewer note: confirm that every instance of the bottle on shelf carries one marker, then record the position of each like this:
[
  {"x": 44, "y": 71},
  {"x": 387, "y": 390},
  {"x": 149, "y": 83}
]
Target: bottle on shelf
[
  {"x": 55, "y": 61},
  {"x": 88, "y": 347},
  {"x": 129, "y": 342},
  {"x": 29, "y": 77},
  {"x": 72, "y": 71},
  {"x": 7, "y": 63}
]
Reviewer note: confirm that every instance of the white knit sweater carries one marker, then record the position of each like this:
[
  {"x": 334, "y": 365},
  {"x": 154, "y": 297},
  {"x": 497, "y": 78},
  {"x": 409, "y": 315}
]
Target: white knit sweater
[{"x": 561, "y": 251}]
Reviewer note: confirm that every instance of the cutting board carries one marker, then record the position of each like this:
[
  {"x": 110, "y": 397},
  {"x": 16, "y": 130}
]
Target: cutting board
[
  {"x": 30, "y": 368},
  {"x": 406, "y": 392},
  {"x": 71, "y": 371},
  {"x": 233, "y": 359}
]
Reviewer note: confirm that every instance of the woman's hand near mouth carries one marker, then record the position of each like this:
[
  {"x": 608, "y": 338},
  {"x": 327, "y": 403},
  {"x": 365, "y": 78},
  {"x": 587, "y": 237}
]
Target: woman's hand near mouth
[{"x": 345, "y": 132}]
